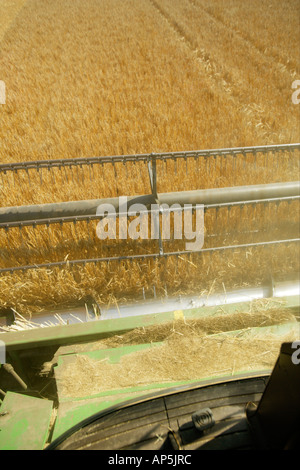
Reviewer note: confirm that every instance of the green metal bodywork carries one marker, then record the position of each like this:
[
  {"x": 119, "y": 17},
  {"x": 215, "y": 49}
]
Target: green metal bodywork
[
  {"x": 95, "y": 330},
  {"x": 26, "y": 421}
]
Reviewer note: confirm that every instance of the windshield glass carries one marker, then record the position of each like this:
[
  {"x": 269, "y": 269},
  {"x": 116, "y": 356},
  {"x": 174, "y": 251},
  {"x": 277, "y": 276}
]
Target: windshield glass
[{"x": 149, "y": 167}]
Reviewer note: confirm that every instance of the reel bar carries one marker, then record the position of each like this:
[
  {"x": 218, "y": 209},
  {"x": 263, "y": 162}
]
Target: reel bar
[
  {"x": 80, "y": 161},
  {"x": 88, "y": 218},
  {"x": 61, "y": 264}
]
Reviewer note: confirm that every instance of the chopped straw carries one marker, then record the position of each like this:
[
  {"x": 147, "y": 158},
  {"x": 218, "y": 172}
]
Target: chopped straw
[{"x": 190, "y": 350}]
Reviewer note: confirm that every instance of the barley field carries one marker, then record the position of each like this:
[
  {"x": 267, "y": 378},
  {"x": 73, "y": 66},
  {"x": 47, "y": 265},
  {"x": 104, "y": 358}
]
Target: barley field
[
  {"x": 138, "y": 76},
  {"x": 9, "y": 10},
  {"x": 112, "y": 77}
]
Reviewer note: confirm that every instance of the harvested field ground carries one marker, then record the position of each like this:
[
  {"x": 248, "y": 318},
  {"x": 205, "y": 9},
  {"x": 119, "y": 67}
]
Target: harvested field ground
[{"x": 109, "y": 77}]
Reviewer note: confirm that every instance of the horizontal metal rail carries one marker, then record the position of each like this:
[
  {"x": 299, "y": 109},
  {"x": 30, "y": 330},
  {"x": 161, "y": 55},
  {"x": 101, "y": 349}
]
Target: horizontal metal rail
[
  {"x": 61, "y": 264},
  {"x": 90, "y": 218},
  {"x": 146, "y": 158},
  {"x": 203, "y": 196}
]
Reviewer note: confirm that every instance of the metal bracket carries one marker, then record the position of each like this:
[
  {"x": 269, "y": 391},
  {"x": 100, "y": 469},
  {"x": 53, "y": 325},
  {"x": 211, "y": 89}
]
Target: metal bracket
[
  {"x": 152, "y": 174},
  {"x": 153, "y": 184}
]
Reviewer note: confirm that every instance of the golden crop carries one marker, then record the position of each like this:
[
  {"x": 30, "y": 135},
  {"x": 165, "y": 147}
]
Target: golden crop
[{"x": 9, "y": 9}]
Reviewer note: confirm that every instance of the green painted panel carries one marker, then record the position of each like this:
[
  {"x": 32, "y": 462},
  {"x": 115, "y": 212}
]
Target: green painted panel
[
  {"x": 62, "y": 335},
  {"x": 260, "y": 331},
  {"x": 113, "y": 354},
  {"x": 24, "y": 422}
]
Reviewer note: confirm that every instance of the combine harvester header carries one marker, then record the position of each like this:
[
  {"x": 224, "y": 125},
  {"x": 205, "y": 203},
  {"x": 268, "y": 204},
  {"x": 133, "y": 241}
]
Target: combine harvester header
[{"x": 238, "y": 287}]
